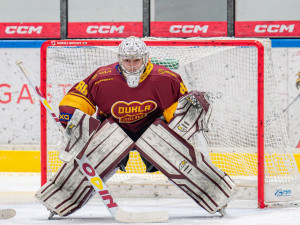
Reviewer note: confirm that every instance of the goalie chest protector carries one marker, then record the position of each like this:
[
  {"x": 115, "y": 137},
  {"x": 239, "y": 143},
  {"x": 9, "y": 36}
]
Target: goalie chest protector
[{"x": 132, "y": 108}]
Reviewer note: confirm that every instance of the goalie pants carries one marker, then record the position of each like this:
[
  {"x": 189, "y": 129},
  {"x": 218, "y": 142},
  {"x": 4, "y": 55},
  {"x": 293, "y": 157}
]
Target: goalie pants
[{"x": 135, "y": 136}]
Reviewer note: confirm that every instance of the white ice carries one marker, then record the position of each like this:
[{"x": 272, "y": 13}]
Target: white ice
[{"x": 16, "y": 191}]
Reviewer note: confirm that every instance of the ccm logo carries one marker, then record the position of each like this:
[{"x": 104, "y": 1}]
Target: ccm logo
[
  {"x": 23, "y": 29},
  {"x": 274, "y": 28},
  {"x": 188, "y": 29},
  {"x": 104, "y": 29}
]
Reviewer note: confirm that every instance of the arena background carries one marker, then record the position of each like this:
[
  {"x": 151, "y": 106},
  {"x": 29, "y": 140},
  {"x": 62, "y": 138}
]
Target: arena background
[{"x": 25, "y": 25}]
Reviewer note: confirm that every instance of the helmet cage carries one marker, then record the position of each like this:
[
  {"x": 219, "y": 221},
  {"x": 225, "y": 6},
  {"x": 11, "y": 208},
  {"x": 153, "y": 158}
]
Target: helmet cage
[
  {"x": 130, "y": 49},
  {"x": 133, "y": 72}
]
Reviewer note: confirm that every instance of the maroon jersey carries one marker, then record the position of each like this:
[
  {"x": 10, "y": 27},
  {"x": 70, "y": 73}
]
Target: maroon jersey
[{"x": 132, "y": 108}]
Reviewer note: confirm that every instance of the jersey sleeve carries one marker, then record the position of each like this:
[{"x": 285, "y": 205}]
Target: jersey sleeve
[
  {"x": 181, "y": 90},
  {"x": 80, "y": 96}
]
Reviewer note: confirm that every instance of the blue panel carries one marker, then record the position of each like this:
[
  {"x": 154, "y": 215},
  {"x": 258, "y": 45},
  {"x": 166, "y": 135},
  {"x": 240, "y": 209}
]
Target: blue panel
[
  {"x": 285, "y": 43},
  {"x": 21, "y": 43}
]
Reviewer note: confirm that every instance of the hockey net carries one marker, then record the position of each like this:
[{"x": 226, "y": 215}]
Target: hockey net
[{"x": 247, "y": 137}]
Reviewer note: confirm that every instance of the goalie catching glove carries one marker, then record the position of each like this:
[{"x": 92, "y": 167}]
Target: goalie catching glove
[{"x": 192, "y": 114}]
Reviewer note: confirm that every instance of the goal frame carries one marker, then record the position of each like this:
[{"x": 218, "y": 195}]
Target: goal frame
[{"x": 260, "y": 92}]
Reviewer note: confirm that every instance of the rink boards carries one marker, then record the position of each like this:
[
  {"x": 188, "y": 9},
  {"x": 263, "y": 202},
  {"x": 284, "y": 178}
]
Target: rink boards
[{"x": 29, "y": 161}]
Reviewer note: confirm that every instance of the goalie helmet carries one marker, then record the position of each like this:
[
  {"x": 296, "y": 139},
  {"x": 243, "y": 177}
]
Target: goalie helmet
[{"x": 133, "y": 58}]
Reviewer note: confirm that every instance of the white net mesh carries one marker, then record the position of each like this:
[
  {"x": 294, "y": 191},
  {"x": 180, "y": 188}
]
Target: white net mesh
[{"x": 227, "y": 73}]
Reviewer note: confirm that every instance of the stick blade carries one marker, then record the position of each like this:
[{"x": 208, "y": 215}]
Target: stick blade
[
  {"x": 7, "y": 214},
  {"x": 141, "y": 217}
]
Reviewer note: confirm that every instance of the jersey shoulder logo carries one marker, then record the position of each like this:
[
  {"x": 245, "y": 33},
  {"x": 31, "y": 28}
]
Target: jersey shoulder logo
[
  {"x": 132, "y": 111},
  {"x": 65, "y": 116},
  {"x": 162, "y": 71},
  {"x": 102, "y": 71},
  {"x": 102, "y": 80}
]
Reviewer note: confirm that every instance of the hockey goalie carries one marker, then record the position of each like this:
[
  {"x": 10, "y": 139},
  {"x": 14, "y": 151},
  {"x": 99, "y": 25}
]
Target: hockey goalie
[{"x": 141, "y": 106}]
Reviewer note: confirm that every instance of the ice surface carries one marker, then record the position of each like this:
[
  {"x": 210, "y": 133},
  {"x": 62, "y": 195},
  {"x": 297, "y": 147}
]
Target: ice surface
[{"x": 16, "y": 191}]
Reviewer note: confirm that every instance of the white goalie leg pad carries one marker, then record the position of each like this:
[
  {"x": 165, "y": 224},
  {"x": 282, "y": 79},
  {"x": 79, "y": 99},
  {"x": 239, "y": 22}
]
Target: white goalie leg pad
[
  {"x": 192, "y": 114},
  {"x": 209, "y": 186},
  {"x": 68, "y": 190}
]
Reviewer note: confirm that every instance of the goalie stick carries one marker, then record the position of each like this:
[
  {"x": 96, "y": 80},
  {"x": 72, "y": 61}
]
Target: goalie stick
[
  {"x": 7, "y": 213},
  {"x": 63, "y": 155},
  {"x": 90, "y": 173}
]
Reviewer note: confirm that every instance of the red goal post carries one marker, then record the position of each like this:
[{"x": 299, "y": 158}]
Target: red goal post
[{"x": 165, "y": 44}]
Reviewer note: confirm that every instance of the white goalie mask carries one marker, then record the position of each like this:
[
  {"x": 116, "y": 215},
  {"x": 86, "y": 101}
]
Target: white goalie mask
[{"x": 133, "y": 58}]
